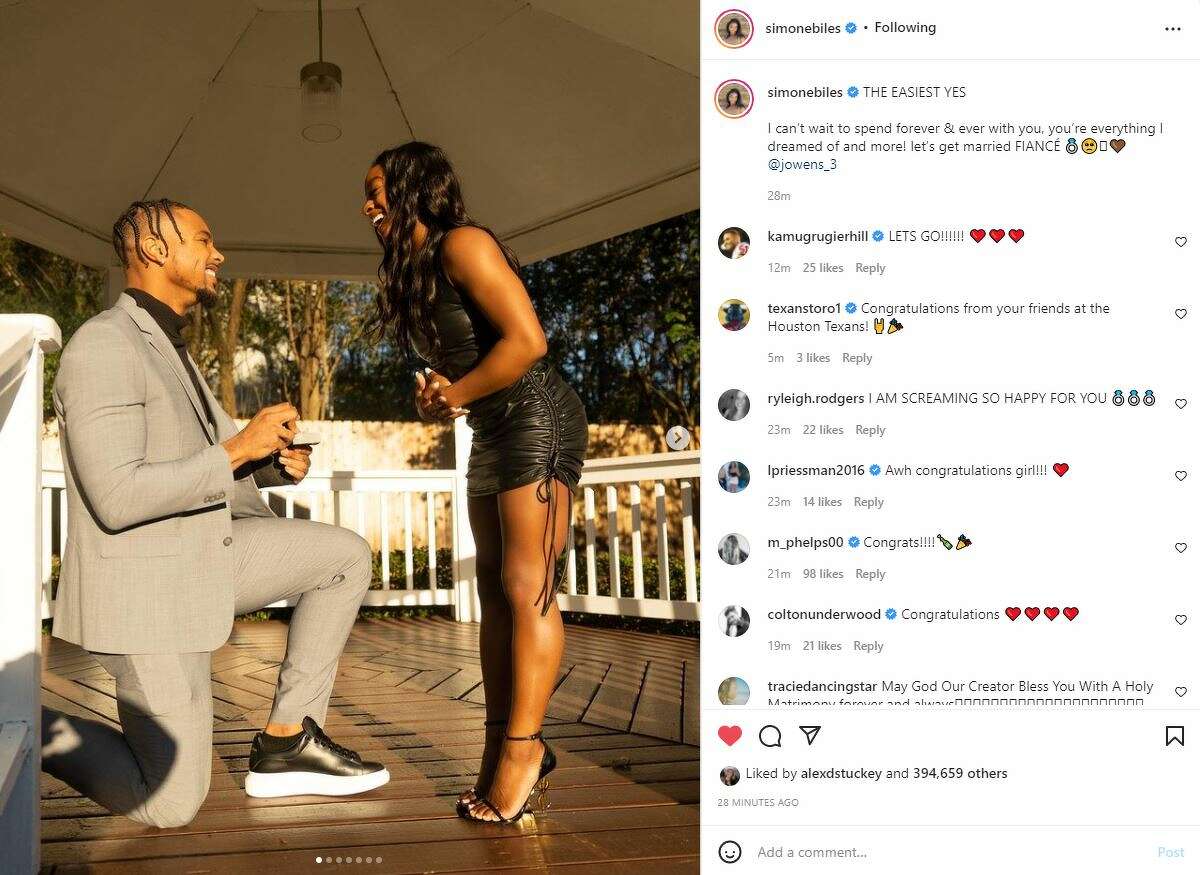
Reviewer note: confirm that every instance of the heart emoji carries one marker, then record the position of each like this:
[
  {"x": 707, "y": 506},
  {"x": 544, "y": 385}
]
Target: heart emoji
[
  {"x": 1181, "y": 691},
  {"x": 1181, "y": 312},
  {"x": 1180, "y": 546},
  {"x": 1117, "y": 145},
  {"x": 1013, "y": 613},
  {"x": 1181, "y": 475},
  {"x": 1051, "y": 613},
  {"x": 1181, "y": 241},
  {"x": 978, "y": 234},
  {"x": 1032, "y": 613},
  {"x": 1016, "y": 234},
  {"x": 729, "y": 734},
  {"x": 996, "y": 234},
  {"x": 1070, "y": 613},
  {"x": 1181, "y": 619},
  {"x": 1061, "y": 468},
  {"x": 1181, "y": 403}
]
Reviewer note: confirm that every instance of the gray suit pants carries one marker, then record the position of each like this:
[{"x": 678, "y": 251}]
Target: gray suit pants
[{"x": 158, "y": 770}]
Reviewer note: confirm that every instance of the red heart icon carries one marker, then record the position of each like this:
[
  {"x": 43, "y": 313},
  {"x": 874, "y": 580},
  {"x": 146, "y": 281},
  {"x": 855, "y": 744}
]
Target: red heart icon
[
  {"x": 1051, "y": 613},
  {"x": 1016, "y": 234},
  {"x": 1070, "y": 613},
  {"x": 1013, "y": 613},
  {"x": 1032, "y": 613},
  {"x": 1061, "y": 468},
  {"x": 729, "y": 734},
  {"x": 996, "y": 234},
  {"x": 978, "y": 234}
]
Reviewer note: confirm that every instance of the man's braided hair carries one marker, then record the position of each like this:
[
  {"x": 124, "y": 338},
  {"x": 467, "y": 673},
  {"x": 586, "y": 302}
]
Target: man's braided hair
[{"x": 143, "y": 218}]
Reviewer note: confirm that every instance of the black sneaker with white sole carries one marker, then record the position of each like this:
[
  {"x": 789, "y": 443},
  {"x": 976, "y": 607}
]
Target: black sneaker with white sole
[{"x": 311, "y": 765}]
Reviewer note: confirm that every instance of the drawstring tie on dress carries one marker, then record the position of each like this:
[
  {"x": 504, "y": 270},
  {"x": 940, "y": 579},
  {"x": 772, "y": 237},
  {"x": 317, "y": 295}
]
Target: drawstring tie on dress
[{"x": 549, "y": 495}]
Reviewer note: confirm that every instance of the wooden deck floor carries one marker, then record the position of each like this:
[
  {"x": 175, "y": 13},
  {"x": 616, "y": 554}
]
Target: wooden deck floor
[{"x": 623, "y": 721}]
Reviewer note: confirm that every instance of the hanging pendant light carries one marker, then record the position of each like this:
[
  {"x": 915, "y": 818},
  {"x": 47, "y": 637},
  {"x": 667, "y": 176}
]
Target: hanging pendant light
[{"x": 320, "y": 94}]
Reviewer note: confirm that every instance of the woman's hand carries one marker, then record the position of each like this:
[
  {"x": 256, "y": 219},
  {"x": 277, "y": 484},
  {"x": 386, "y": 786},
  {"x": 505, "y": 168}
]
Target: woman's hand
[{"x": 432, "y": 402}]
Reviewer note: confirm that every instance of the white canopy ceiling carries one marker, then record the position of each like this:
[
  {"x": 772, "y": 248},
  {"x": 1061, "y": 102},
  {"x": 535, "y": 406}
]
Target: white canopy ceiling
[{"x": 568, "y": 120}]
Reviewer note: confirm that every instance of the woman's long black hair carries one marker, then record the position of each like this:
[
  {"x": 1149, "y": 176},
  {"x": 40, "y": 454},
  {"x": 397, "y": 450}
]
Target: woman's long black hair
[{"x": 420, "y": 184}]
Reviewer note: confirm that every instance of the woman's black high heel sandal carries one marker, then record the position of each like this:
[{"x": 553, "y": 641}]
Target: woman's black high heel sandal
[
  {"x": 462, "y": 806},
  {"x": 540, "y": 787}
]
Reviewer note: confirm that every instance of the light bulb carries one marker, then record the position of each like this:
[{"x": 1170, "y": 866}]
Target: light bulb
[{"x": 320, "y": 102}]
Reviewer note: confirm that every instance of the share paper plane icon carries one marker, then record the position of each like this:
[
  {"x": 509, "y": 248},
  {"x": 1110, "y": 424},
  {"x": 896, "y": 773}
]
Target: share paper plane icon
[{"x": 810, "y": 732}]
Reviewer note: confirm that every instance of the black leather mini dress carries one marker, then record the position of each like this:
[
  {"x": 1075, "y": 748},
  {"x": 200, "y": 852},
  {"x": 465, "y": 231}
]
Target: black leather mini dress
[{"x": 533, "y": 431}]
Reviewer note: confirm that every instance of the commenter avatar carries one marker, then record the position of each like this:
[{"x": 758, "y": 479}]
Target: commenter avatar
[{"x": 733, "y": 691}]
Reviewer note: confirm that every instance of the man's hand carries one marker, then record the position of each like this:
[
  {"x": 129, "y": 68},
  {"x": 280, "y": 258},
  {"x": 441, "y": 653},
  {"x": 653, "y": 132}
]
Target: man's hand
[
  {"x": 270, "y": 431},
  {"x": 295, "y": 461},
  {"x": 431, "y": 402}
]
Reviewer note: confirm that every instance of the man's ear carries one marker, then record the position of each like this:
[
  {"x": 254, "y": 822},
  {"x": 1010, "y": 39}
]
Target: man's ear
[{"x": 153, "y": 250}]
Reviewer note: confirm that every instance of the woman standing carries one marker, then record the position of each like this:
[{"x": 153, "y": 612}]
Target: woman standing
[{"x": 449, "y": 290}]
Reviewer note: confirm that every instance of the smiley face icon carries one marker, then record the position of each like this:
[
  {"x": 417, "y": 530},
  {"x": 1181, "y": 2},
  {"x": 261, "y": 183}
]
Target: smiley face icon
[
  {"x": 1089, "y": 146},
  {"x": 730, "y": 851}
]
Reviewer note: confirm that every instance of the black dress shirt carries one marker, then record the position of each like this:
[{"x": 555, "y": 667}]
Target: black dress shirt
[{"x": 172, "y": 325}]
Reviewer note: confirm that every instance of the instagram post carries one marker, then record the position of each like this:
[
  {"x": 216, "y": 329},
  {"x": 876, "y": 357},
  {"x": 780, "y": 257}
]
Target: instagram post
[{"x": 599, "y": 437}]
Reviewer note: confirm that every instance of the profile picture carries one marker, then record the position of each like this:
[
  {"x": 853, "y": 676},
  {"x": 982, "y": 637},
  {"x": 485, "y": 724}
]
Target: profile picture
[
  {"x": 734, "y": 476},
  {"x": 734, "y": 28},
  {"x": 734, "y": 315},
  {"x": 730, "y": 776},
  {"x": 734, "y": 242},
  {"x": 733, "y": 549},
  {"x": 733, "y": 404},
  {"x": 734, "y": 621},
  {"x": 733, "y": 691},
  {"x": 734, "y": 98}
]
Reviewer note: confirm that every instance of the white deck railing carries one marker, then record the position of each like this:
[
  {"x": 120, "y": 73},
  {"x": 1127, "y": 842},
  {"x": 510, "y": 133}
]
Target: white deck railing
[
  {"x": 620, "y": 478},
  {"x": 23, "y": 342},
  {"x": 433, "y": 508}
]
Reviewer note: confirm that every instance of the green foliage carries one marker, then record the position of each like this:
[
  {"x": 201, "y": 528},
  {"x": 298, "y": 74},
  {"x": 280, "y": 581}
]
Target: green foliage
[
  {"x": 33, "y": 280},
  {"x": 675, "y": 575},
  {"x": 445, "y": 568},
  {"x": 622, "y": 320},
  {"x": 375, "y": 382}
]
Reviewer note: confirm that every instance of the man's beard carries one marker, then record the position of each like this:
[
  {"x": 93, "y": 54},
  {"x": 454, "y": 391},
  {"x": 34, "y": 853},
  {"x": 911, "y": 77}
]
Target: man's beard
[{"x": 206, "y": 296}]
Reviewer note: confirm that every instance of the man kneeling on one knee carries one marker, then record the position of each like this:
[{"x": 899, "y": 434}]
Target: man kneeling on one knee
[{"x": 169, "y": 539}]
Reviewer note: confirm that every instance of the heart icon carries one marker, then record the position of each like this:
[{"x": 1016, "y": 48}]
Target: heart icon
[
  {"x": 1051, "y": 613},
  {"x": 1181, "y": 241},
  {"x": 1117, "y": 145},
  {"x": 978, "y": 234},
  {"x": 996, "y": 234},
  {"x": 1016, "y": 234},
  {"x": 1181, "y": 312},
  {"x": 1013, "y": 613},
  {"x": 1070, "y": 613},
  {"x": 1061, "y": 468},
  {"x": 1181, "y": 619},
  {"x": 1181, "y": 475},
  {"x": 1032, "y": 613},
  {"x": 729, "y": 734},
  {"x": 1181, "y": 691},
  {"x": 1180, "y": 546},
  {"x": 1181, "y": 403}
]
